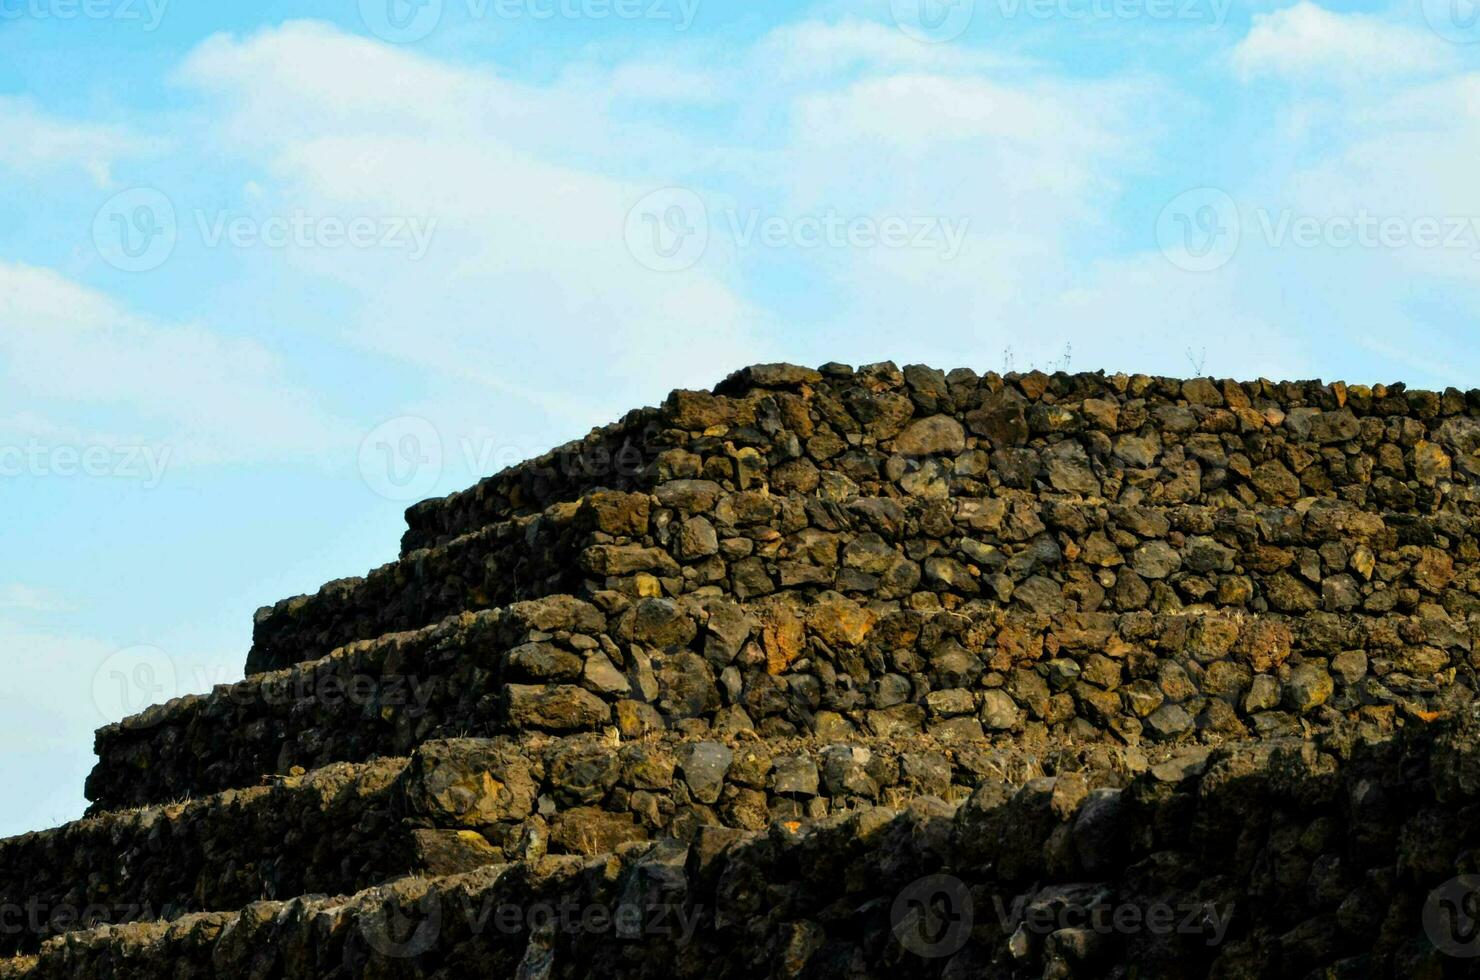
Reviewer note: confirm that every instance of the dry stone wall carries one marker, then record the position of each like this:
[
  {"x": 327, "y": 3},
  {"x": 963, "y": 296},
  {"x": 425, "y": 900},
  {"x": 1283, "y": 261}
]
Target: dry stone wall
[
  {"x": 1275, "y": 859},
  {"x": 329, "y": 831},
  {"x": 457, "y": 804},
  {"x": 1380, "y": 447},
  {"x": 831, "y": 667},
  {"x": 1153, "y": 492},
  {"x": 812, "y": 659}
]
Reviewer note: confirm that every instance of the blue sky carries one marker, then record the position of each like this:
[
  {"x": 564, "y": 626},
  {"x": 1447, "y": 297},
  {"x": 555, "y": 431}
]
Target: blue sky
[{"x": 270, "y": 271}]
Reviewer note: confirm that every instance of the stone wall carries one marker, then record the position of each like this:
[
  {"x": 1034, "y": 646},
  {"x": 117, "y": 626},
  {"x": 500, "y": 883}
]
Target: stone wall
[
  {"x": 457, "y": 804},
  {"x": 1382, "y": 447},
  {"x": 831, "y": 666},
  {"x": 1032, "y": 555},
  {"x": 1271, "y": 859},
  {"x": 773, "y": 654},
  {"x": 329, "y": 831},
  {"x": 618, "y": 456},
  {"x": 1154, "y": 558}
]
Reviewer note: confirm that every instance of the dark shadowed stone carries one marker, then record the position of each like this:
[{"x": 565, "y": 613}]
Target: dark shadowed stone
[
  {"x": 686, "y": 685},
  {"x": 1203, "y": 554},
  {"x": 542, "y": 662},
  {"x": 751, "y": 579},
  {"x": 1002, "y": 420},
  {"x": 794, "y": 775},
  {"x": 559, "y": 707},
  {"x": 662, "y": 623},
  {"x": 468, "y": 783},
  {"x": 592, "y": 830},
  {"x": 582, "y": 771},
  {"x": 1097, "y": 831},
  {"x": 451, "y": 852}
]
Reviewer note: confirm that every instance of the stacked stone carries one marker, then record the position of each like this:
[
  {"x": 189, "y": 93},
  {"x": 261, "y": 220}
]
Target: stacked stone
[
  {"x": 1278, "y": 858},
  {"x": 802, "y": 618}
]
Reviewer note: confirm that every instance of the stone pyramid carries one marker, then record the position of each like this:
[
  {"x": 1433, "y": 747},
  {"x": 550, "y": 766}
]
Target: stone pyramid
[{"x": 841, "y": 672}]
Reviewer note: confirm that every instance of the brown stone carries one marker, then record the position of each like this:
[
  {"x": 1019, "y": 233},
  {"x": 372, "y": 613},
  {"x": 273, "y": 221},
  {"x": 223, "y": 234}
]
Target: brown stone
[
  {"x": 1264, "y": 645},
  {"x": 840, "y": 622}
]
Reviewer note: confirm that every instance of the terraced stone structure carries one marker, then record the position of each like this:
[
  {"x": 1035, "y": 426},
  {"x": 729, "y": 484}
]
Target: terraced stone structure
[{"x": 841, "y": 672}]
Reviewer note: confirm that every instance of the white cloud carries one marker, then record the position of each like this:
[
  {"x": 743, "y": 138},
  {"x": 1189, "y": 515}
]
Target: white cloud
[
  {"x": 1307, "y": 42},
  {"x": 829, "y": 50},
  {"x": 68, "y": 352},
  {"x": 1350, "y": 158},
  {"x": 1028, "y": 165},
  {"x": 34, "y": 144},
  {"x": 30, "y": 599},
  {"x": 529, "y": 289},
  {"x": 1401, "y": 154},
  {"x": 529, "y": 294},
  {"x": 663, "y": 83},
  {"x": 972, "y": 141},
  {"x": 305, "y": 79}
]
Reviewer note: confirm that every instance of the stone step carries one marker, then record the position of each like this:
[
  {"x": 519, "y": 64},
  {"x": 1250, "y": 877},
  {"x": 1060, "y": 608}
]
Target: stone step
[
  {"x": 459, "y": 803},
  {"x": 780, "y": 666},
  {"x": 335, "y": 829},
  {"x": 1020, "y": 550},
  {"x": 1265, "y": 859},
  {"x": 591, "y": 794},
  {"x": 762, "y": 419},
  {"x": 518, "y": 559},
  {"x": 379, "y": 697},
  {"x": 619, "y": 456},
  {"x": 1215, "y": 513}
]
